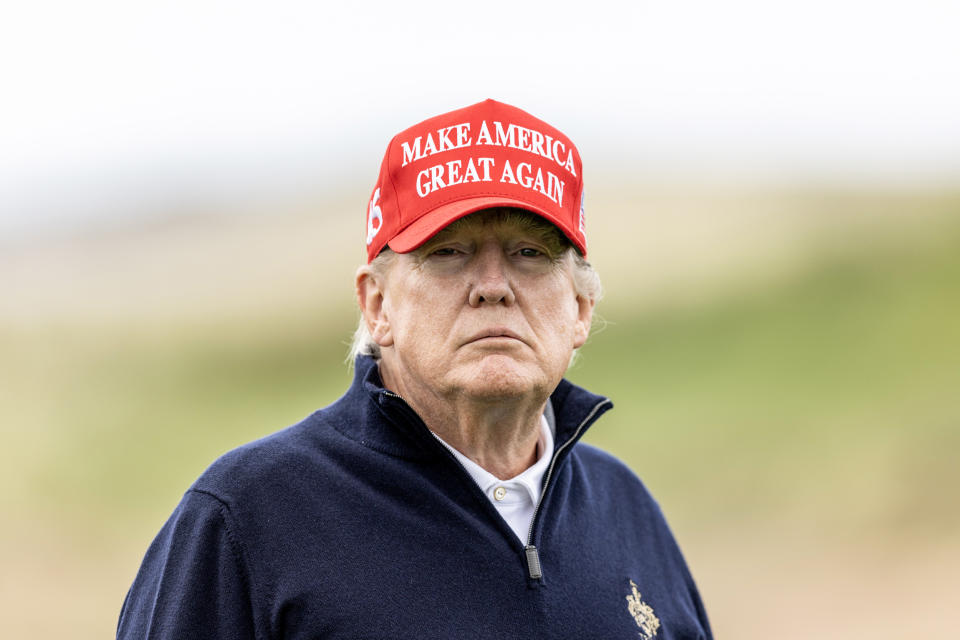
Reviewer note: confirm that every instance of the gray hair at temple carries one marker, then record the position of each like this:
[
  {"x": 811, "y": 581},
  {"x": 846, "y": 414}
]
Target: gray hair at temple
[{"x": 586, "y": 281}]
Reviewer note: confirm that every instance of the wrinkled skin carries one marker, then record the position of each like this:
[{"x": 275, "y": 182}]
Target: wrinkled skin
[{"x": 476, "y": 329}]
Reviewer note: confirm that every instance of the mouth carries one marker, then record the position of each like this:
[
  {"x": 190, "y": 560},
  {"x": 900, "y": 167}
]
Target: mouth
[{"x": 494, "y": 334}]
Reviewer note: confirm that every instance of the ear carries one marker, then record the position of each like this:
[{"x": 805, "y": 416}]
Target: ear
[
  {"x": 581, "y": 328},
  {"x": 370, "y": 293}
]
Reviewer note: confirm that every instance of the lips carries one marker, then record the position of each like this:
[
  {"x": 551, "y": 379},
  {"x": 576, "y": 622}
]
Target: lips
[{"x": 494, "y": 332}]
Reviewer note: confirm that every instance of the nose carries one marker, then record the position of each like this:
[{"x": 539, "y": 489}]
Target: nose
[{"x": 489, "y": 281}]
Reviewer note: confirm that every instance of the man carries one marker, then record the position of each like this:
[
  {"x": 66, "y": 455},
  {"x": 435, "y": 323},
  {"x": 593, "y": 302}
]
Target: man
[{"x": 445, "y": 495}]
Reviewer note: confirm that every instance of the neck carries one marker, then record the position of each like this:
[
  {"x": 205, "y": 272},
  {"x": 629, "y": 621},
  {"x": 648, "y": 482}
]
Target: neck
[{"x": 499, "y": 434}]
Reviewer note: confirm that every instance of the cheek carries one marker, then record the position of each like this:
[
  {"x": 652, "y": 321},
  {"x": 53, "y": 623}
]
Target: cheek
[
  {"x": 421, "y": 321},
  {"x": 558, "y": 316}
]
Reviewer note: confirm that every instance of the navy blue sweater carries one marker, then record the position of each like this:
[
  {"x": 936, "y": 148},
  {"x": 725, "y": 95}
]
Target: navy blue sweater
[{"x": 358, "y": 523}]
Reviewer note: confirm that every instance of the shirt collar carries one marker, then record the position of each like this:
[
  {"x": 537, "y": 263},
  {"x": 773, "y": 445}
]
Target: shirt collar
[{"x": 531, "y": 479}]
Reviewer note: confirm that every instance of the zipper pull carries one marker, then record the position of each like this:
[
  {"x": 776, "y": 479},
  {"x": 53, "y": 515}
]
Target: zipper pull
[{"x": 533, "y": 562}]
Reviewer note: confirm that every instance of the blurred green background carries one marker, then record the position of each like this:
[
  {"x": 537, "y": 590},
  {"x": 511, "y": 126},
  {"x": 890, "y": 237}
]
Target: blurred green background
[
  {"x": 784, "y": 365},
  {"x": 773, "y": 201}
]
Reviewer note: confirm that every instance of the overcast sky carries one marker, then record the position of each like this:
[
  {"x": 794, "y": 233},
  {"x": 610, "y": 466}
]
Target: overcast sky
[{"x": 122, "y": 106}]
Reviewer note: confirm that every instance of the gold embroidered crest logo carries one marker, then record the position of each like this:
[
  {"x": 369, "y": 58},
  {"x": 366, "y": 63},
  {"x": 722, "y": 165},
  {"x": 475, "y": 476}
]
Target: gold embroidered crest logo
[{"x": 642, "y": 613}]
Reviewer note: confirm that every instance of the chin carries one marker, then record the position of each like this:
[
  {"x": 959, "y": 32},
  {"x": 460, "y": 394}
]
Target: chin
[{"x": 502, "y": 377}]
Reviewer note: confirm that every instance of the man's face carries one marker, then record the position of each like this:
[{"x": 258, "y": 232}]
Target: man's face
[{"x": 486, "y": 309}]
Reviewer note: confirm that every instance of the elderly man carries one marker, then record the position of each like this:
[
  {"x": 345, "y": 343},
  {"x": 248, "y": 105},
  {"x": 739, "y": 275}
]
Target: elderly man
[{"x": 445, "y": 495}]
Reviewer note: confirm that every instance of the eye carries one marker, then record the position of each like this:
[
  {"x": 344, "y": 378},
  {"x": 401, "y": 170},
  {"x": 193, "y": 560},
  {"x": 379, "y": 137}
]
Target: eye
[{"x": 530, "y": 252}]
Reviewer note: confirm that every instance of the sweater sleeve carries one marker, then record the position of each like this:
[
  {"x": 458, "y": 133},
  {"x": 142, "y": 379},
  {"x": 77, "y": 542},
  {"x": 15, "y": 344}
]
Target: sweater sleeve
[{"x": 193, "y": 582}]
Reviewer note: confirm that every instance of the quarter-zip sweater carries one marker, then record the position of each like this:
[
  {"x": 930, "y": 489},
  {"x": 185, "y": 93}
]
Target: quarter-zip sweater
[{"x": 358, "y": 523}]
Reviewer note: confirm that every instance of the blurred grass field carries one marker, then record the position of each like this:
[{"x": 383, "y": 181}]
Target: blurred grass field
[{"x": 784, "y": 367}]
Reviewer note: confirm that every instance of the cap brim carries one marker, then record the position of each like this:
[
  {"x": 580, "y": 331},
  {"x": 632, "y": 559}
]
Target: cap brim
[{"x": 430, "y": 223}]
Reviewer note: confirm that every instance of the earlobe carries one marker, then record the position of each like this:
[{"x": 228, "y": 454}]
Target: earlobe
[
  {"x": 370, "y": 298},
  {"x": 584, "y": 319}
]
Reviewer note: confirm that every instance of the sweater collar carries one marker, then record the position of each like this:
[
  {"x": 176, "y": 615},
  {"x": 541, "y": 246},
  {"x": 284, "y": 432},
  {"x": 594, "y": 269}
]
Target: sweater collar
[{"x": 573, "y": 408}]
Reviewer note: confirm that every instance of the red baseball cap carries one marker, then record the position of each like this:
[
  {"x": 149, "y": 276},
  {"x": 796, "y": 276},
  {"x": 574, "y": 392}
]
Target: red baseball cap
[{"x": 486, "y": 155}]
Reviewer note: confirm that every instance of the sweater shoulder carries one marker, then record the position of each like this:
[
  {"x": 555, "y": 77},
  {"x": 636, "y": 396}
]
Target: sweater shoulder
[
  {"x": 604, "y": 470},
  {"x": 265, "y": 462},
  {"x": 601, "y": 462}
]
